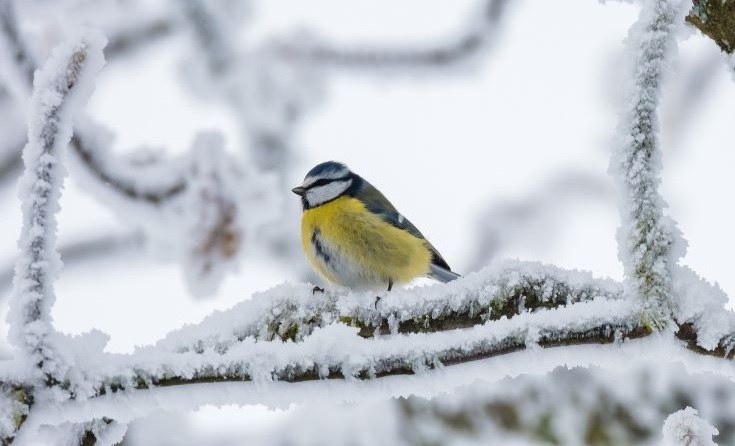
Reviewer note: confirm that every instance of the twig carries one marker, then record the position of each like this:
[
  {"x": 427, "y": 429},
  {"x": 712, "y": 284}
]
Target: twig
[
  {"x": 128, "y": 40},
  {"x": 84, "y": 250},
  {"x": 54, "y": 102},
  {"x": 99, "y": 166},
  {"x": 462, "y": 48},
  {"x": 646, "y": 237}
]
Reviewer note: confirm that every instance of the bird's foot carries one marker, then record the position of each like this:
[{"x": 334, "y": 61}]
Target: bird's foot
[
  {"x": 377, "y": 299},
  {"x": 316, "y": 289}
]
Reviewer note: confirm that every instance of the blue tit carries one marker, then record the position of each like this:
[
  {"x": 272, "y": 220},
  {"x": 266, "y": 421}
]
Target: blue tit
[{"x": 354, "y": 237}]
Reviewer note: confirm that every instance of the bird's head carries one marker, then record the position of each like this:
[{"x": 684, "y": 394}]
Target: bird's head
[{"x": 324, "y": 183}]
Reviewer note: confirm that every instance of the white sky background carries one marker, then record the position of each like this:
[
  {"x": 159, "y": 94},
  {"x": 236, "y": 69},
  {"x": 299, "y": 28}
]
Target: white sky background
[{"x": 441, "y": 148}]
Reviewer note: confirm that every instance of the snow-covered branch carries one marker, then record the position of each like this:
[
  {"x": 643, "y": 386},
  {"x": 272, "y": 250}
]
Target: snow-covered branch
[
  {"x": 574, "y": 406},
  {"x": 646, "y": 238},
  {"x": 686, "y": 428},
  {"x": 337, "y": 351},
  {"x": 61, "y": 88},
  {"x": 292, "y": 312},
  {"x": 117, "y": 175},
  {"x": 478, "y": 36},
  {"x": 79, "y": 251},
  {"x": 17, "y": 68},
  {"x": 15, "y": 402}
]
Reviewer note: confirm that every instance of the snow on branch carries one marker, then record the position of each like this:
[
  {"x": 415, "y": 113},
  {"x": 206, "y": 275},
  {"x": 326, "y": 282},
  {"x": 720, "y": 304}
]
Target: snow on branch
[
  {"x": 502, "y": 309},
  {"x": 207, "y": 224},
  {"x": 61, "y": 88},
  {"x": 97, "y": 432},
  {"x": 94, "y": 247},
  {"x": 14, "y": 408},
  {"x": 281, "y": 336},
  {"x": 338, "y": 351},
  {"x": 216, "y": 230},
  {"x": 99, "y": 161},
  {"x": 569, "y": 406},
  {"x": 646, "y": 237},
  {"x": 478, "y": 37},
  {"x": 91, "y": 146},
  {"x": 685, "y": 428},
  {"x": 292, "y": 312},
  {"x": 17, "y": 68}
]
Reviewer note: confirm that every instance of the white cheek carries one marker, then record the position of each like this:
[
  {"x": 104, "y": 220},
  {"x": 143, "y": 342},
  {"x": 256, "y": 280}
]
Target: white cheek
[{"x": 322, "y": 194}]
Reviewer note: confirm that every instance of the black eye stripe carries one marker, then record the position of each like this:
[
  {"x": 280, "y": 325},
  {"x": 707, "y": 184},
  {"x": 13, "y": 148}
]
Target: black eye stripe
[{"x": 324, "y": 181}]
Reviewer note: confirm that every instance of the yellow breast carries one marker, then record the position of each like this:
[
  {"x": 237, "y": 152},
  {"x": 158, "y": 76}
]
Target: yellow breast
[{"x": 349, "y": 245}]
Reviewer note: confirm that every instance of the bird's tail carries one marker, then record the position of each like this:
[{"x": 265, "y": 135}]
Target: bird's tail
[{"x": 443, "y": 275}]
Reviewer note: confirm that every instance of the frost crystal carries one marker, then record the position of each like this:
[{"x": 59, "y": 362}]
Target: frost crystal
[
  {"x": 685, "y": 428},
  {"x": 61, "y": 88},
  {"x": 646, "y": 237}
]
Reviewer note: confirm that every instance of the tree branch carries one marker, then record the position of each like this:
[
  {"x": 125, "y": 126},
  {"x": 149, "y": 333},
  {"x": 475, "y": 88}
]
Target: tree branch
[
  {"x": 646, "y": 237},
  {"x": 55, "y": 100},
  {"x": 338, "y": 351},
  {"x": 15, "y": 404},
  {"x": 716, "y": 20},
  {"x": 291, "y": 312},
  {"x": 128, "y": 40},
  {"x": 99, "y": 164},
  {"x": 83, "y": 250},
  {"x": 476, "y": 38}
]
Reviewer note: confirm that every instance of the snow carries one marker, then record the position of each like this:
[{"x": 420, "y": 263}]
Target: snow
[
  {"x": 218, "y": 207},
  {"x": 10, "y": 410},
  {"x": 648, "y": 243},
  {"x": 294, "y": 308},
  {"x": 570, "y": 399},
  {"x": 685, "y": 428},
  {"x": 53, "y": 107},
  {"x": 246, "y": 340},
  {"x": 338, "y": 350},
  {"x": 127, "y": 406},
  {"x": 704, "y": 304}
]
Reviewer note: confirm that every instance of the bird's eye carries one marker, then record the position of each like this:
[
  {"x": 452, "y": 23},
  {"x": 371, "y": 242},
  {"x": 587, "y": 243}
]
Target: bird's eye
[{"x": 321, "y": 182}]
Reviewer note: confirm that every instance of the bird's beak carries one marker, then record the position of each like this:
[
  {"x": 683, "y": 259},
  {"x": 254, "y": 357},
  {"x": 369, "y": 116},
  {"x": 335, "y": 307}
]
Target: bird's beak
[{"x": 298, "y": 190}]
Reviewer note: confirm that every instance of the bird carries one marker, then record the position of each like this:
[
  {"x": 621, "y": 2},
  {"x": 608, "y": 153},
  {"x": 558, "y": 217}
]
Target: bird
[{"x": 354, "y": 237}]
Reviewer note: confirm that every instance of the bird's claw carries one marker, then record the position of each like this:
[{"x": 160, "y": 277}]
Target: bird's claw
[{"x": 316, "y": 289}]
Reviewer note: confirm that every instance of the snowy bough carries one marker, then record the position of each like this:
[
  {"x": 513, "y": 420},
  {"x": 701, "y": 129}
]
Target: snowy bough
[{"x": 287, "y": 345}]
